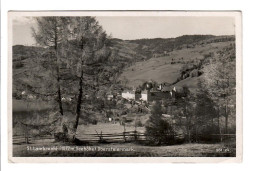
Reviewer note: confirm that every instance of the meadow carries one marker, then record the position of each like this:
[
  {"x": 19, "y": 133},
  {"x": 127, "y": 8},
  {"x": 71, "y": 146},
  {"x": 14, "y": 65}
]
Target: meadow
[
  {"x": 137, "y": 149},
  {"x": 167, "y": 68}
]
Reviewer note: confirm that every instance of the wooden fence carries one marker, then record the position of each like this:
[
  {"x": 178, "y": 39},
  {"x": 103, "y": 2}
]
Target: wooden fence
[
  {"x": 224, "y": 137},
  {"x": 131, "y": 136},
  {"x": 20, "y": 139},
  {"x": 119, "y": 137}
]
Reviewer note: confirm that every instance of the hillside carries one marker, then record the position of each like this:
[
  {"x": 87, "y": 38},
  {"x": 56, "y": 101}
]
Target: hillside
[
  {"x": 168, "y": 66},
  {"x": 122, "y": 55},
  {"x": 158, "y": 46},
  {"x": 126, "y": 67},
  {"x": 136, "y": 61}
]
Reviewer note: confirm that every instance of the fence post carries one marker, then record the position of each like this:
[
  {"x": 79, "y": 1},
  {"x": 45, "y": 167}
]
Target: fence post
[
  {"x": 100, "y": 136},
  {"x": 124, "y": 136},
  {"x": 135, "y": 135},
  {"x": 220, "y": 135},
  {"x": 26, "y": 135},
  {"x": 124, "y": 133}
]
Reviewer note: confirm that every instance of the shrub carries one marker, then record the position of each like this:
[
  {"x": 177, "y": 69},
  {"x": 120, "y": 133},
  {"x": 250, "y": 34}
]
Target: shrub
[
  {"x": 194, "y": 73},
  {"x": 17, "y": 65},
  {"x": 94, "y": 122},
  {"x": 60, "y": 136},
  {"x": 139, "y": 123},
  {"x": 159, "y": 133},
  {"x": 158, "y": 130},
  {"x": 205, "y": 133}
]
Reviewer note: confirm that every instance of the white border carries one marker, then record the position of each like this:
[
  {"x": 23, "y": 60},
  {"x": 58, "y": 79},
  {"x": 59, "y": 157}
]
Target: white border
[{"x": 238, "y": 24}]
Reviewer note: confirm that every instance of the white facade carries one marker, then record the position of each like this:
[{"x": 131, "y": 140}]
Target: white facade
[
  {"x": 128, "y": 95},
  {"x": 144, "y": 97},
  {"x": 109, "y": 97}
]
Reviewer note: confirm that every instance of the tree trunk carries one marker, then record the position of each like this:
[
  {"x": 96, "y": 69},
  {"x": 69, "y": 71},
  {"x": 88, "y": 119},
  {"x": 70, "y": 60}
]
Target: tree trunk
[
  {"x": 62, "y": 126},
  {"x": 189, "y": 135},
  {"x": 59, "y": 99},
  {"x": 226, "y": 117},
  {"x": 58, "y": 70},
  {"x": 79, "y": 102},
  {"x": 196, "y": 129},
  {"x": 219, "y": 126},
  {"x": 188, "y": 129},
  {"x": 26, "y": 135},
  {"x": 226, "y": 124}
]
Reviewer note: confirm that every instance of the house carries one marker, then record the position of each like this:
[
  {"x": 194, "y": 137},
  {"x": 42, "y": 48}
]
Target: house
[
  {"x": 110, "y": 96},
  {"x": 66, "y": 99},
  {"x": 162, "y": 92},
  {"x": 131, "y": 95},
  {"x": 145, "y": 95},
  {"x": 164, "y": 87},
  {"x": 178, "y": 89},
  {"x": 128, "y": 94},
  {"x": 30, "y": 96},
  {"x": 166, "y": 116},
  {"x": 160, "y": 95}
]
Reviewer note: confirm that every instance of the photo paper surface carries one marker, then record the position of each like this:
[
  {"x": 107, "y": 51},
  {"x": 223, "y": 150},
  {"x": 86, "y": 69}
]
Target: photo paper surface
[{"x": 125, "y": 86}]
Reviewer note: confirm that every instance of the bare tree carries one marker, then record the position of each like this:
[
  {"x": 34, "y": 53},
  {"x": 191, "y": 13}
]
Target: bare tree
[
  {"x": 50, "y": 33},
  {"x": 219, "y": 78},
  {"x": 89, "y": 42}
]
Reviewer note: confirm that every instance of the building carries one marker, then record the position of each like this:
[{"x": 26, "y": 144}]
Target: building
[
  {"x": 160, "y": 93},
  {"x": 110, "y": 96},
  {"x": 131, "y": 95},
  {"x": 128, "y": 94},
  {"x": 145, "y": 95}
]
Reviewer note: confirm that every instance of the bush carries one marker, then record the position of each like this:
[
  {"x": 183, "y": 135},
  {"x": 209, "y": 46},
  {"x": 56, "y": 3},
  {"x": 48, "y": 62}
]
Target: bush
[
  {"x": 139, "y": 123},
  {"x": 194, "y": 73},
  {"x": 61, "y": 137},
  {"x": 205, "y": 133},
  {"x": 17, "y": 65},
  {"x": 159, "y": 133},
  {"x": 158, "y": 130},
  {"x": 94, "y": 122}
]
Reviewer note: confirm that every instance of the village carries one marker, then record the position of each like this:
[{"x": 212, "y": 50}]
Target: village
[
  {"x": 129, "y": 107},
  {"x": 139, "y": 101}
]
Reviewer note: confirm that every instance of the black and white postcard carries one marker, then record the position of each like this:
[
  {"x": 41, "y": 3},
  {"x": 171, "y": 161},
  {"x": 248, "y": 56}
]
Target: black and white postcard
[{"x": 125, "y": 86}]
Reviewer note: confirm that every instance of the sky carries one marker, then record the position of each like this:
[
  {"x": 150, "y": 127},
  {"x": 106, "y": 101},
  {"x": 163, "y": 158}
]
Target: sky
[{"x": 138, "y": 27}]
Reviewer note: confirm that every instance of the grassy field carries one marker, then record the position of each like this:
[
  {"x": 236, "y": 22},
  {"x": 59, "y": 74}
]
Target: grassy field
[
  {"x": 192, "y": 83},
  {"x": 106, "y": 128},
  {"x": 95, "y": 149},
  {"x": 161, "y": 70},
  {"x": 153, "y": 69},
  {"x": 33, "y": 105}
]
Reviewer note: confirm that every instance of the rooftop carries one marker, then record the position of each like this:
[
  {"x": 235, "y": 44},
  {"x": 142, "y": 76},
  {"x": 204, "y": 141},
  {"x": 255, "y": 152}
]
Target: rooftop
[{"x": 128, "y": 91}]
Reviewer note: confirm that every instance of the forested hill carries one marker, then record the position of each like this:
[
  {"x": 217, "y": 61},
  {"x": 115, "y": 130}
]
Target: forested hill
[
  {"x": 178, "y": 60},
  {"x": 138, "y": 49},
  {"x": 126, "y": 56},
  {"x": 159, "y": 45}
]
